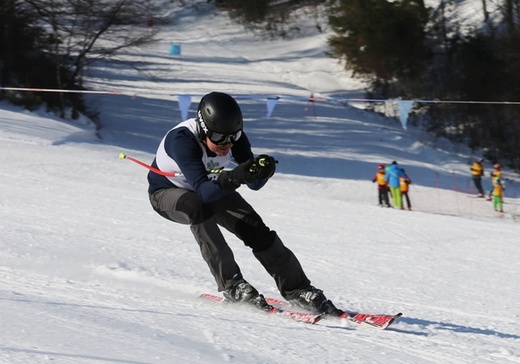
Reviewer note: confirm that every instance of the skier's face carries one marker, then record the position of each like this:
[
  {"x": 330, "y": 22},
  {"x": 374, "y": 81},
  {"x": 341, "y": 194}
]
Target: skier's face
[{"x": 219, "y": 150}]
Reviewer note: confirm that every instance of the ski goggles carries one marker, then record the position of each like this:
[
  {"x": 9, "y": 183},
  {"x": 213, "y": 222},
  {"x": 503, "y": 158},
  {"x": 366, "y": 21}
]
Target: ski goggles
[{"x": 223, "y": 139}]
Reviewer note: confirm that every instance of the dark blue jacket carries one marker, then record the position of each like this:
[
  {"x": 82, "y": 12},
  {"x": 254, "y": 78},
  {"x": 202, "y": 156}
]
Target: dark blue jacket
[{"x": 185, "y": 149}]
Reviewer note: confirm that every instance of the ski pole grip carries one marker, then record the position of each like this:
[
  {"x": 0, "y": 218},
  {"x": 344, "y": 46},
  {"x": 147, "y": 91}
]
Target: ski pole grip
[{"x": 263, "y": 162}]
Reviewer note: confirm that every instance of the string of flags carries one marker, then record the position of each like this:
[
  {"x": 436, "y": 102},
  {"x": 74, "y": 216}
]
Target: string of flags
[
  {"x": 184, "y": 101},
  {"x": 404, "y": 106}
]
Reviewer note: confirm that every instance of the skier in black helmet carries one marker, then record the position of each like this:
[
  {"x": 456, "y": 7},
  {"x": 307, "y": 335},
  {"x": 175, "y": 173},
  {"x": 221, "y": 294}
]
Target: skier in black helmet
[{"x": 205, "y": 197}]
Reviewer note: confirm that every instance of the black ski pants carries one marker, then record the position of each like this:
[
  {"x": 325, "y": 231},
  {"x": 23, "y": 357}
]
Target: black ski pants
[
  {"x": 237, "y": 216},
  {"x": 477, "y": 181},
  {"x": 382, "y": 195}
]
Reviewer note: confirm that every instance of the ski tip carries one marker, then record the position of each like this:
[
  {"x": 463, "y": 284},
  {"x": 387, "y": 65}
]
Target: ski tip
[
  {"x": 392, "y": 320},
  {"x": 396, "y": 316}
]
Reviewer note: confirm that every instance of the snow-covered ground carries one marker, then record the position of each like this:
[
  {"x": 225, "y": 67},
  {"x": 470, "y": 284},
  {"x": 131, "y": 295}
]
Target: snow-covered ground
[{"x": 90, "y": 274}]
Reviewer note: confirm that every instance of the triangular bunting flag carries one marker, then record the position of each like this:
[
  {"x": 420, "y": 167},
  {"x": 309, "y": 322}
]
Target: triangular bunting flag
[
  {"x": 271, "y": 103},
  {"x": 404, "y": 110},
  {"x": 184, "y": 105}
]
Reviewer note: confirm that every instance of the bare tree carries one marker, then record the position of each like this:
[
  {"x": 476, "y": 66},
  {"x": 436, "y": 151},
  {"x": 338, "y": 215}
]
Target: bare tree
[
  {"x": 485, "y": 11},
  {"x": 84, "y": 31}
]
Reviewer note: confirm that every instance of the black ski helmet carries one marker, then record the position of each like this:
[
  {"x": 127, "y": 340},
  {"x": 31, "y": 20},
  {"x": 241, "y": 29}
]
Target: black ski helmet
[{"x": 219, "y": 113}]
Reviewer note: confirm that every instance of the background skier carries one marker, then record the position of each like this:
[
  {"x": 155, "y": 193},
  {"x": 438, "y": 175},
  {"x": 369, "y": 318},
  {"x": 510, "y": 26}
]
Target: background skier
[
  {"x": 495, "y": 174},
  {"x": 477, "y": 171},
  {"x": 382, "y": 186},
  {"x": 404, "y": 184},
  {"x": 393, "y": 174},
  {"x": 498, "y": 195}
]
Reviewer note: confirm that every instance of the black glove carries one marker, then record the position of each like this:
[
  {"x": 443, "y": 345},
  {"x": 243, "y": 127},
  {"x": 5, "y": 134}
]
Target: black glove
[
  {"x": 263, "y": 167},
  {"x": 233, "y": 179}
]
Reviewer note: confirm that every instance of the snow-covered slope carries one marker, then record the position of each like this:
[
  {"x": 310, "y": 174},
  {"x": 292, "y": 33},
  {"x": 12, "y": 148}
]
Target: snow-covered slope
[{"x": 90, "y": 274}]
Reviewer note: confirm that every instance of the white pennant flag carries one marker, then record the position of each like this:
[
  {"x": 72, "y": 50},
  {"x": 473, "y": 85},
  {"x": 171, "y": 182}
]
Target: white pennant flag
[
  {"x": 404, "y": 110},
  {"x": 184, "y": 105},
  {"x": 271, "y": 103}
]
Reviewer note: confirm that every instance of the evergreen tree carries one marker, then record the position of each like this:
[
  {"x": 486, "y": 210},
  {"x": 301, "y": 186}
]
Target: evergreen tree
[{"x": 378, "y": 39}]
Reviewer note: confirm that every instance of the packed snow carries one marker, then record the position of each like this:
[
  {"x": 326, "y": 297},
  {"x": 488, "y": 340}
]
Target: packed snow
[{"x": 90, "y": 274}]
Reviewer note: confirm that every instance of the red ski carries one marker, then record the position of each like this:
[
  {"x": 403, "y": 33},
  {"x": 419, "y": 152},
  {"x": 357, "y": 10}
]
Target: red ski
[
  {"x": 378, "y": 321},
  {"x": 306, "y": 317}
]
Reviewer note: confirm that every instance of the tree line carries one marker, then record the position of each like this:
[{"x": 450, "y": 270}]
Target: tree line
[{"x": 406, "y": 50}]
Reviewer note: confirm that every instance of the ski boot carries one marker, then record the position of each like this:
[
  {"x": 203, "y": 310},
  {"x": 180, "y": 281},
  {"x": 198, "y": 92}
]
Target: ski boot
[
  {"x": 312, "y": 299},
  {"x": 243, "y": 292}
]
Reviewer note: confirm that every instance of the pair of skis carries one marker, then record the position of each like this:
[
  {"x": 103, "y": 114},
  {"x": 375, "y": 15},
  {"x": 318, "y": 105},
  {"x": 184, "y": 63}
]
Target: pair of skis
[{"x": 378, "y": 321}]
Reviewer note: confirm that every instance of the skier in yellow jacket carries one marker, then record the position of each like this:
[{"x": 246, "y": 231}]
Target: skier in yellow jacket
[
  {"x": 477, "y": 171},
  {"x": 498, "y": 195},
  {"x": 495, "y": 174}
]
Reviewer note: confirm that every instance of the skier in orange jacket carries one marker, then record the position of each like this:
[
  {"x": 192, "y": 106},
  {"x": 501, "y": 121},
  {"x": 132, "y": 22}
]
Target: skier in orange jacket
[
  {"x": 404, "y": 183},
  {"x": 382, "y": 186}
]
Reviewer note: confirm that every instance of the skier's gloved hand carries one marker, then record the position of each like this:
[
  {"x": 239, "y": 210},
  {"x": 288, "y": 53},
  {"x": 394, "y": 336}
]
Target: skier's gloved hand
[
  {"x": 263, "y": 167},
  {"x": 233, "y": 179}
]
